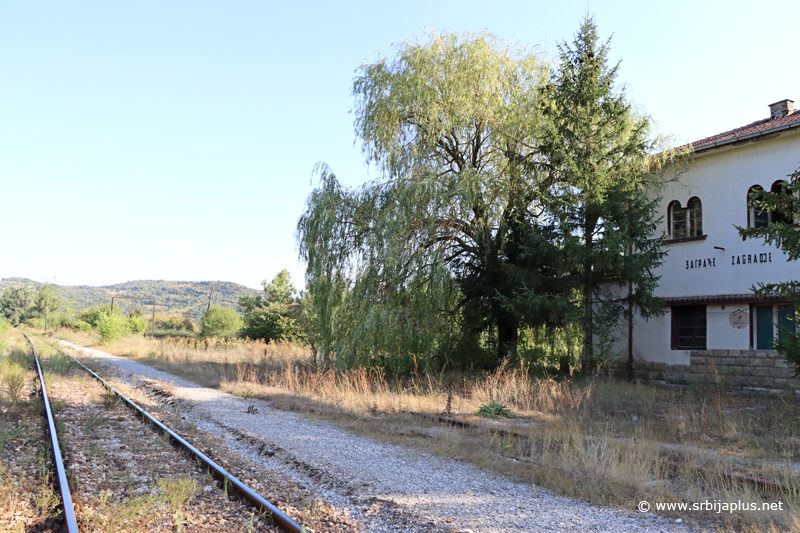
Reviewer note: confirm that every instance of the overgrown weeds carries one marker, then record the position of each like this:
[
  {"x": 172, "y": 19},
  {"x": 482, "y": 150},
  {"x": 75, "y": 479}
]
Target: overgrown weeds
[
  {"x": 60, "y": 364},
  {"x": 46, "y": 501},
  {"x": 93, "y": 421},
  {"x": 8, "y": 499},
  {"x": 177, "y": 493},
  {"x": 604, "y": 440},
  {"x": 19, "y": 357},
  {"x": 9, "y": 432},
  {"x": 116, "y": 516},
  {"x": 13, "y": 371},
  {"x": 110, "y": 399}
]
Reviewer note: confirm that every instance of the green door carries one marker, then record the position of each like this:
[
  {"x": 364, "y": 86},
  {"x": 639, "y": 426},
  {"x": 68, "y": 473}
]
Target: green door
[
  {"x": 786, "y": 320},
  {"x": 764, "y": 327}
]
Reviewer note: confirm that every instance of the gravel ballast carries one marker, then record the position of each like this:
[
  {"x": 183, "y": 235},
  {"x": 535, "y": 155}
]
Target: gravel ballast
[{"x": 387, "y": 487}]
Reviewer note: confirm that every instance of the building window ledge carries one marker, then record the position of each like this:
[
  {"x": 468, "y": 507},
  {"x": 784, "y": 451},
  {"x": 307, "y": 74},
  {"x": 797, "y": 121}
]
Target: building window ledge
[{"x": 687, "y": 239}]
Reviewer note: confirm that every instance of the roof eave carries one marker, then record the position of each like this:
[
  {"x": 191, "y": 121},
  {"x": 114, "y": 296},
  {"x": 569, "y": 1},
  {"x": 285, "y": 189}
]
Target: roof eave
[
  {"x": 725, "y": 299},
  {"x": 747, "y": 137}
]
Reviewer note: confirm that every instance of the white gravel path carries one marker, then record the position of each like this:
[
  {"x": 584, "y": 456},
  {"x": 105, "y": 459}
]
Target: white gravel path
[{"x": 388, "y": 487}]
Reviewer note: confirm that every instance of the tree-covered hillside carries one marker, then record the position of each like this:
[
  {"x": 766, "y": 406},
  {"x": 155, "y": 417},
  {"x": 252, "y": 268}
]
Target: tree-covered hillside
[{"x": 184, "y": 297}]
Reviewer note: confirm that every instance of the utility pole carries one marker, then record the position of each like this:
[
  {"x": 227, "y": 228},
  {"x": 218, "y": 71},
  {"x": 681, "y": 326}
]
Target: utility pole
[{"x": 209, "y": 295}]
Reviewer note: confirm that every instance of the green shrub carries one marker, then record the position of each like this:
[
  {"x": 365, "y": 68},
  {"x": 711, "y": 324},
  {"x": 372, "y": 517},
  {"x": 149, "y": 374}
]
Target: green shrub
[
  {"x": 276, "y": 322},
  {"x": 36, "y": 323},
  {"x": 220, "y": 322},
  {"x": 495, "y": 409},
  {"x": 92, "y": 315},
  {"x": 137, "y": 325},
  {"x": 80, "y": 325},
  {"x": 163, "y": 334},
  {"x": 111, "y": 326},
  {"x": 174, "y": 322}
]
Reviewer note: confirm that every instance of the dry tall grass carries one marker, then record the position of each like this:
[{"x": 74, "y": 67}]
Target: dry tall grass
[{"x": 607, "y": 441}]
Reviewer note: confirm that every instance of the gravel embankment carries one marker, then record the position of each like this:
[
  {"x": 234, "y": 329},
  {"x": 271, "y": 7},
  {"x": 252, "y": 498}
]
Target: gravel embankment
[{"x": 387, "y": 487}]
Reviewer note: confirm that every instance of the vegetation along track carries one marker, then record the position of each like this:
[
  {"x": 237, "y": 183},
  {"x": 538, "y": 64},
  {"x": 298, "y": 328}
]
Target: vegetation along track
[
  {"x": 108, "y": 515},
  {"x": 673, "y": 461}
]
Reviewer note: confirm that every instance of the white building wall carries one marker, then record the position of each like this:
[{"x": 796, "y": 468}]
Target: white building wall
[
  {"x": 722, "y": 263},
  {"x": 649, "y": 340},
  {"x": 721, "y": 181},
  {"x": 722, "y": 335}
]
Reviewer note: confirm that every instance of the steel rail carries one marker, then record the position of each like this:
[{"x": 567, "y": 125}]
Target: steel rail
[
  {"x": 220, "y": 473},
  {"x": 66, "y": 498}
]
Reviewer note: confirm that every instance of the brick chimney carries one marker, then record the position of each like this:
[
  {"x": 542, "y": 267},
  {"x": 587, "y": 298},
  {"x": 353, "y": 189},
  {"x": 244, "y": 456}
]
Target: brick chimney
[{"x": 780, "y": 109}]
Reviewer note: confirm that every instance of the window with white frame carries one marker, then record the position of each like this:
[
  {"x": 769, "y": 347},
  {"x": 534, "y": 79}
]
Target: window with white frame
[{"x": 772, "y": 322}]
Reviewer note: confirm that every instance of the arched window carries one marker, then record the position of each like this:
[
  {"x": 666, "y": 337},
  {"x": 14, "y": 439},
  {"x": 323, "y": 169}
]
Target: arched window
[
  {"x": 695, "y": 208},
  {"x": 685, "y": 222},
  {"x": 761, "y": 218},
  {"x": 678, "y": 220},
  {"x": 756, "y": 218},
  {"x": 780, "y": 188}
]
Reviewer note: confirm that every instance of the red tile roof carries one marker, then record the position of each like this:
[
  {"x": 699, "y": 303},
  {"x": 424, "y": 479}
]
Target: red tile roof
[{"x": 759, "y": 127}]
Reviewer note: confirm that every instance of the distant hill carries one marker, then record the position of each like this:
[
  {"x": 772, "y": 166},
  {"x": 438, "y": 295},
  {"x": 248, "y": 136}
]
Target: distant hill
[{"x": 184, "y": 297}]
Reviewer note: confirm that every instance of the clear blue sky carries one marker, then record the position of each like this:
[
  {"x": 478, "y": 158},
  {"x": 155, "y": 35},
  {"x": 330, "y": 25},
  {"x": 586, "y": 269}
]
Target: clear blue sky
[{"x": 176, "y": 140}]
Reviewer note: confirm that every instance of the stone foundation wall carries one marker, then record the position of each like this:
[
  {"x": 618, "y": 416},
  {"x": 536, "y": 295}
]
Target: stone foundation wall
[{"x": 738, "y": 369}]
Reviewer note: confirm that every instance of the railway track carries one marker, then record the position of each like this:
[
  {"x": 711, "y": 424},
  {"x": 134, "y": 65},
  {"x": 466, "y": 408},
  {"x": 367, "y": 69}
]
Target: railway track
[
  {"x": 70, "y": 522},
  {"x": 64, "y": 477}
]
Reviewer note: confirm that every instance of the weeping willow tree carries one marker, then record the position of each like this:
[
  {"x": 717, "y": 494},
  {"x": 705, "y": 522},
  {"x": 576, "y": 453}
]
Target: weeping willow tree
[{"x": 450, "y": 241}]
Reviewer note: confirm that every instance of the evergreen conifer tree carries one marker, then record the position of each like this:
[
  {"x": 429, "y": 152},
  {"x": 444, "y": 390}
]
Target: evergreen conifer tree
[
  {"x": 781, "y": 232},
  {"x": 599, "y": 192}
]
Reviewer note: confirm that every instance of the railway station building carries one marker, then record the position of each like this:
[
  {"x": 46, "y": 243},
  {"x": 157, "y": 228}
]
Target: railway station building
[{"x": 714, "y": 326}]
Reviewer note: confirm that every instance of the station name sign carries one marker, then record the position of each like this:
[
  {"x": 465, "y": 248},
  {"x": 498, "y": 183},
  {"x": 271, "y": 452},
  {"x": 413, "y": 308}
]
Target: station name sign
[
  {"x": 741, "y": 259},
  {"x": 749, "y": 259},
  {"x": 701, "y": 263}
]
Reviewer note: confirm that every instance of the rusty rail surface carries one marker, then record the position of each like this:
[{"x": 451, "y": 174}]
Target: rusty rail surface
[
  {"x": 278, "y": 516},
  {"x": 69, "y": 513}
]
